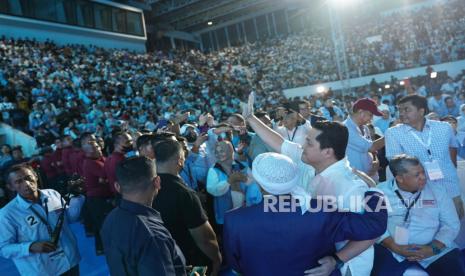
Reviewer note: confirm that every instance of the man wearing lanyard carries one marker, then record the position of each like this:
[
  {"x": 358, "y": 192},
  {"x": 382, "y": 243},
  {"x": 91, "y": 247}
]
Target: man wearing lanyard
[
  {"x": 422, "y": 224},
  {"x": 31, "y": 234},
  {"x": 432, "y": 142},
  {"x": 292, "y": 130},
  {"x": 323, "y": 171}
]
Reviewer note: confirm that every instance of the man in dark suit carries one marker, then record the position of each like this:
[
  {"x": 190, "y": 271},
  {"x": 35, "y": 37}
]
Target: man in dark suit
[{"x": 282, "y": 237}]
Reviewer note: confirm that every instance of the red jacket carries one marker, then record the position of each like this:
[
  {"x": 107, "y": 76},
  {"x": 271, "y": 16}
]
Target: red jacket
[{"x": 110, "y": 168}]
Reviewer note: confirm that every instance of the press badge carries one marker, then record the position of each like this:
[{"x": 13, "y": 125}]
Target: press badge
[
  {"x": 433, "y": 170},
  {"x": 401, "y": 235}
]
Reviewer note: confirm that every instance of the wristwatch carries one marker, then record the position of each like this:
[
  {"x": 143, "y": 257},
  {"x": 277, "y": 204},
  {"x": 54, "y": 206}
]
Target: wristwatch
[{"x": 339, "y": 262}]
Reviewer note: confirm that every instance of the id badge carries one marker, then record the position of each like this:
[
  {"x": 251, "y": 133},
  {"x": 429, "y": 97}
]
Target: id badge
[
  {"x": 433, "y": 170},
  {"x": 401, "y": 235},
  {"x": 57, "y": 255}
]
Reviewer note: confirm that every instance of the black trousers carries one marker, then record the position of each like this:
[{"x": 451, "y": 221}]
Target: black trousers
[
  {"x": 72, "y": 272},
  {"x": 98, "y": 208}
]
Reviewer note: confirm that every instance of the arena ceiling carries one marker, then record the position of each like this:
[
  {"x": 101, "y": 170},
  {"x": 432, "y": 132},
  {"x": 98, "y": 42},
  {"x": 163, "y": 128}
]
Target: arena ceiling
[{"x": 193, "y": 15}]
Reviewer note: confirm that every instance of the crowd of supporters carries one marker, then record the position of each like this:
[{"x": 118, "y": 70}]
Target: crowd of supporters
[{"x": 91, "y": 109}]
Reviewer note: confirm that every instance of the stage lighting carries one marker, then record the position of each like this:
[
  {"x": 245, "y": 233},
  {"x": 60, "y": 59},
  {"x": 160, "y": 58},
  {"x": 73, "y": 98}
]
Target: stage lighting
[
  {"x": 434, "y": 75},
  {"x": 320, "y": 89},
  {"x": 387, "y": 86},
  {"x": 209, "y": 23}
]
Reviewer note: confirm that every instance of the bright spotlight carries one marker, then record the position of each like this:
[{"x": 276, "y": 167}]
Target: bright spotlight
[
  {"x": 209, "y": 23},
  {"x": 402, "y": 82},
  {"x": 320, "y": 89},
  {"x": 434, "y": 75},
  {"x": 387, "y": 86}
]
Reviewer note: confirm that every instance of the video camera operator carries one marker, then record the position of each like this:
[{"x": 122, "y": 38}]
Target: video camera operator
[{"x": 35, "y": 230}]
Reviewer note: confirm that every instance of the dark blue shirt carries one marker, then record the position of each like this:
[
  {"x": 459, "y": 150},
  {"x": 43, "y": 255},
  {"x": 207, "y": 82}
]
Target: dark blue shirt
[
  {"x": 258, "y": 241},
  {"x": 136, "y": 242}
]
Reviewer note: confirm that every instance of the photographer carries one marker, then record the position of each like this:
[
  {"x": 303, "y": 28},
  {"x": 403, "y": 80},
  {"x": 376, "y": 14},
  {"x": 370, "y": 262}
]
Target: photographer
[{"x": 35, "y": 233}]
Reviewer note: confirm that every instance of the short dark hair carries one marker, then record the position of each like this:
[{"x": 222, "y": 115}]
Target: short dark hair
[
  {"x": 19, "y": 167},
  {"x": 115, "y": 137},
  {"x": 333, "y": 135},
  {"x": 304, "y": 102},
  {"x": 84, "y": 136},
  {"x": 143, "y": 140},
  {"x": 135, "y": 174},
  {"x": 162, "y": 136},
  {"x": 416, "y": 100},
  {"x": 399, "y": 164},
  {"x": 166, "y": 150}
]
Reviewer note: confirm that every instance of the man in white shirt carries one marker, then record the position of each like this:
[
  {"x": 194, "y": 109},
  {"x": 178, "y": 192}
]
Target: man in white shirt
[
  {"x": 292, "y": 129},
  {"x": 323, "y": 154},
  {"x": 422, "y": 224}
]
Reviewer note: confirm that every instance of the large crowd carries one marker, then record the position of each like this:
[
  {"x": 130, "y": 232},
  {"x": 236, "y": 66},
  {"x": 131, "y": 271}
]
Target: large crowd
[{"x": 181, "y": 133}]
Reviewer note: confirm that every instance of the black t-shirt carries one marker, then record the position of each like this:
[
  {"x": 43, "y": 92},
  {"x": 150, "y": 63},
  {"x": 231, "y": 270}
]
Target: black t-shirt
[{"x": 181, "y": 210}]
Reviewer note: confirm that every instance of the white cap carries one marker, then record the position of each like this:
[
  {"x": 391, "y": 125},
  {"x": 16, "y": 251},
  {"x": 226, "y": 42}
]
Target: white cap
[{"x": 277, "y": 174}]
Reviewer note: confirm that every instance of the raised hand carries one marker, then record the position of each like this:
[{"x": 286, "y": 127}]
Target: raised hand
[{"x": 248, "y": 109}]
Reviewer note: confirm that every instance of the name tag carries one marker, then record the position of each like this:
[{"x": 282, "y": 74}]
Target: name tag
[
  {"x": 401, "y": 235},
  {"x": 428, "y": 202},
  {"x": 433, "y": 170}
]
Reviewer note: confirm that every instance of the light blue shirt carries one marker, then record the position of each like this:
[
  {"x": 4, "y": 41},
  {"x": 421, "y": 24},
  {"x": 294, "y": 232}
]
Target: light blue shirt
[
  {"x": 195, "y": 169},
  {"x": 21, "y": 227},
  {"x": 325, "y": 113},
  {"x": 382, "y": 124},
  {"x": 433, "y": 217},
  {"x": 358, "y": 146},
  {"x": 401, "y": 139}
]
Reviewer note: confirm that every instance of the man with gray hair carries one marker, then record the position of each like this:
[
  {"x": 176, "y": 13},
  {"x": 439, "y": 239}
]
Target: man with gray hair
[
  {"x": 135, "y": 239},
  {"x": 422, "y": 224}
]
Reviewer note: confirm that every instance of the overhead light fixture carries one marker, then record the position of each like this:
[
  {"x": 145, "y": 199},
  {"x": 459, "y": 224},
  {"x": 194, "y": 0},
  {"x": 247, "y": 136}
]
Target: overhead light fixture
[
  {"x": 209, "y": 23},
  {"x": 434, "y": 75},
  {"x": 320, "y": 89}
]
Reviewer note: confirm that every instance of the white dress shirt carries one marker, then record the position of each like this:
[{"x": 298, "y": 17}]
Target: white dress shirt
[{"x": 297, "y": 134}]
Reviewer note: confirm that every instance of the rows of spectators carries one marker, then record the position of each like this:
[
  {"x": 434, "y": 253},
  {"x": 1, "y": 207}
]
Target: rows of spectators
[{"x": 49, "y": 89}]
